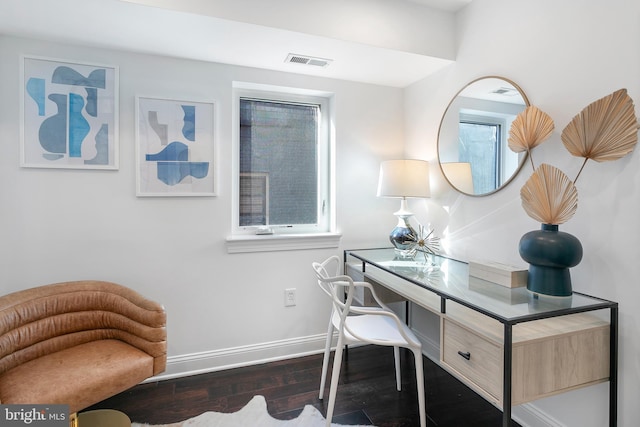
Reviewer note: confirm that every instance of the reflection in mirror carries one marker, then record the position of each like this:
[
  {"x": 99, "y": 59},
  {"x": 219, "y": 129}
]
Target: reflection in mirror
[
  {"x": 473, "y": 135},
  {"x": 459, "y": 175}
]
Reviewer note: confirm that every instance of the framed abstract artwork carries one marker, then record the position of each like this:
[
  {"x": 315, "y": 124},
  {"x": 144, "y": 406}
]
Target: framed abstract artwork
[
  {"x": 69, "y": 114},
  {"x": 175, "y": 147}
]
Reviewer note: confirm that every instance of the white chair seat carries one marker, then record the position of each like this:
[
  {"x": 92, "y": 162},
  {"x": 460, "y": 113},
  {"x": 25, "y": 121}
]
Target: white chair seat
[
  {"x": 375, "y": 328},
  {"x": 371, "y": 325}
]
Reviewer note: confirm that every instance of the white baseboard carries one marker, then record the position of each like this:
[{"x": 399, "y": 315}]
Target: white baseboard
[
  {"x": 218, "y": 360},
  {"x": 528, "y": 415}
]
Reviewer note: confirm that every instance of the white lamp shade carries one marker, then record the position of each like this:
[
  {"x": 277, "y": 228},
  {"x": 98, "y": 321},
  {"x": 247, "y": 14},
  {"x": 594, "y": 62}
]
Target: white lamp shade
[
  {"x": 404, "y": 178},
  {"x": 459, "y": 175}
]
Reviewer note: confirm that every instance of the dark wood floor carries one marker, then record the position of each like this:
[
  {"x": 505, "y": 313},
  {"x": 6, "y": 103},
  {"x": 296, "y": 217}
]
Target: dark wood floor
[{"x": 366, "y": 394}]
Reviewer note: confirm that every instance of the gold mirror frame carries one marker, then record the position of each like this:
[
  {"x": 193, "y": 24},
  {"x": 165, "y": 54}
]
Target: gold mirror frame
[{"x": 451, "y": 167}]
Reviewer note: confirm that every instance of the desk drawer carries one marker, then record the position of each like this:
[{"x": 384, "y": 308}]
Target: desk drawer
[{"x": 473, "y": 357}]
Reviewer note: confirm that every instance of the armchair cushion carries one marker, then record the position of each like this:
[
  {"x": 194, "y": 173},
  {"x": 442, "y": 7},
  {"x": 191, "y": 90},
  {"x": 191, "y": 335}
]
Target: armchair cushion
[{"x": 80, "y": 376}]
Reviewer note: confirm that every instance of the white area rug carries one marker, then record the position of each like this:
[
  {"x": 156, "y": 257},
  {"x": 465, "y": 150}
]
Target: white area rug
[{"x": 254, "y": 414}]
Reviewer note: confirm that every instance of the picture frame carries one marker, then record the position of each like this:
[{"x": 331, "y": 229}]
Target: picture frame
[
  {"x": 175, "y": 147},
  {"x": 68, "y": 114}
]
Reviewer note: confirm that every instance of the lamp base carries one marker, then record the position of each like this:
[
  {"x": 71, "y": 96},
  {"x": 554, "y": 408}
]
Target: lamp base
[{"x": 403, "y": 238}]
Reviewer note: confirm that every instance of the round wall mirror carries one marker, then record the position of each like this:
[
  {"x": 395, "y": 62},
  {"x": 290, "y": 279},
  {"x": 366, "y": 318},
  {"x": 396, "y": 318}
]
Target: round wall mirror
[{"x": 472, "y": 140}]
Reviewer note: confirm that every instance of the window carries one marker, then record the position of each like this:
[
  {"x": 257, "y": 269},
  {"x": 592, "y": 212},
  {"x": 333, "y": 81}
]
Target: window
[
  {"x": 283, "y": 163},
  {"x": 254, "y": 198},
  {"x": 279, "y": 141},
  {"x": 480, "y": 146},
  {"x": 482, "y": 142}
]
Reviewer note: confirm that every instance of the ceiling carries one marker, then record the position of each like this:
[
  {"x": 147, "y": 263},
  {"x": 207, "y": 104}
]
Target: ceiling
[
  {"x": 448, "y": 5},
  {"x": 161, "y": 27}
]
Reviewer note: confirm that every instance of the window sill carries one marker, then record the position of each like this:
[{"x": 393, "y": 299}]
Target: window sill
[{"x": 281, "y": 242}]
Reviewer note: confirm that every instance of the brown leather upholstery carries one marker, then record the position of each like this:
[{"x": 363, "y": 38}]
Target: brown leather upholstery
[{"x": 78, "y": 343}]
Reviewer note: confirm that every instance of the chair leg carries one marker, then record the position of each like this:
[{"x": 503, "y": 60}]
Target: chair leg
[
  {"x": 325, "y": 359},
  {"x": 396, "y": 356},
  {"x": 417, "y": 354},
  {"x": 335, "y": 374}
]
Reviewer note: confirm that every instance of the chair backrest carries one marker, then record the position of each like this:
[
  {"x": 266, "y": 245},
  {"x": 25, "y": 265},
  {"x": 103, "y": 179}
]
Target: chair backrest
[{"x": 333, "y": 284}]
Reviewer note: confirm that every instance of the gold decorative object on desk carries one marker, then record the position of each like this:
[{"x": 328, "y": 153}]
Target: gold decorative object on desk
[{"x": 426, "y": 242}]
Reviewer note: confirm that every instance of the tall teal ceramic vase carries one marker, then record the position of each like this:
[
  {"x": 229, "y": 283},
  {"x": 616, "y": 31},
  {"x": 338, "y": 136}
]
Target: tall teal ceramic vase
[{"x": 550, "y": 253}]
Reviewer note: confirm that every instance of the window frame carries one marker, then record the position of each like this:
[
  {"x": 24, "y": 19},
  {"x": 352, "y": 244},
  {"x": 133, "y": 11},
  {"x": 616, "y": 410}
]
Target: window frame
[{"x": 321, "y": 235}]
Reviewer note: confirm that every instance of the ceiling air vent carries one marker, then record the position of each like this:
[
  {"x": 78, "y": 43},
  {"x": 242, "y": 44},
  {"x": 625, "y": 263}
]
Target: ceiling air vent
[
  {"x": 506, "y": 91},
  {"x": 293, "y": 58}
]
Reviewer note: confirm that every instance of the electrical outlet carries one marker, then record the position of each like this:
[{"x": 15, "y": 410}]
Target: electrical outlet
[{"x": 290, "y": 297}]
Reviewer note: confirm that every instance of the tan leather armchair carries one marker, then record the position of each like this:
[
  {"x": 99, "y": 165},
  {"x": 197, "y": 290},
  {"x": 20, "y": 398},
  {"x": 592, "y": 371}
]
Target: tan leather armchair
[{"x": 78, "y": 343}]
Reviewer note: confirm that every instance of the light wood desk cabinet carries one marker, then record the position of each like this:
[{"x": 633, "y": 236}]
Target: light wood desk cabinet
[{"x": 508, "y": 345}]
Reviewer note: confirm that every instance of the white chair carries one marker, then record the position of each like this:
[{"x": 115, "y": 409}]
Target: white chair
[{"x": 373, "y": 325}]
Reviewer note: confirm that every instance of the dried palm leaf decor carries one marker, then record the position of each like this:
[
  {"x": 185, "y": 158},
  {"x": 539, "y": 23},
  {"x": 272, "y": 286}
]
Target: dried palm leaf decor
[
  {"x": 605, "y": 130},
  {"x": 549, "y": 196},
  {"x": 529, "y": 129}
]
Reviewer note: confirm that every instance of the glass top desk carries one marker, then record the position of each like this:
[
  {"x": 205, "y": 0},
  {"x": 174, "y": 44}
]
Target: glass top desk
[{"x": 498, "y": 340}]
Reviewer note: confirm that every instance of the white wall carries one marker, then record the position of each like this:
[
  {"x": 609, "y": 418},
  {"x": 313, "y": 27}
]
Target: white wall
[
  {"x": 59, "y": 225},
  {"x": 564, "y": 55}
]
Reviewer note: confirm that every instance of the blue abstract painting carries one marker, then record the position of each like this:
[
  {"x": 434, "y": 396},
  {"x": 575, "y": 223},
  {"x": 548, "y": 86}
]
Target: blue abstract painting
[
  {"x": 70, "y": 114},
  {"x": 175, "y": 147}
]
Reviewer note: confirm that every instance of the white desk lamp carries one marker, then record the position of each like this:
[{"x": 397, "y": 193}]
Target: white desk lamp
[{"x": 402, "y": 179}]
